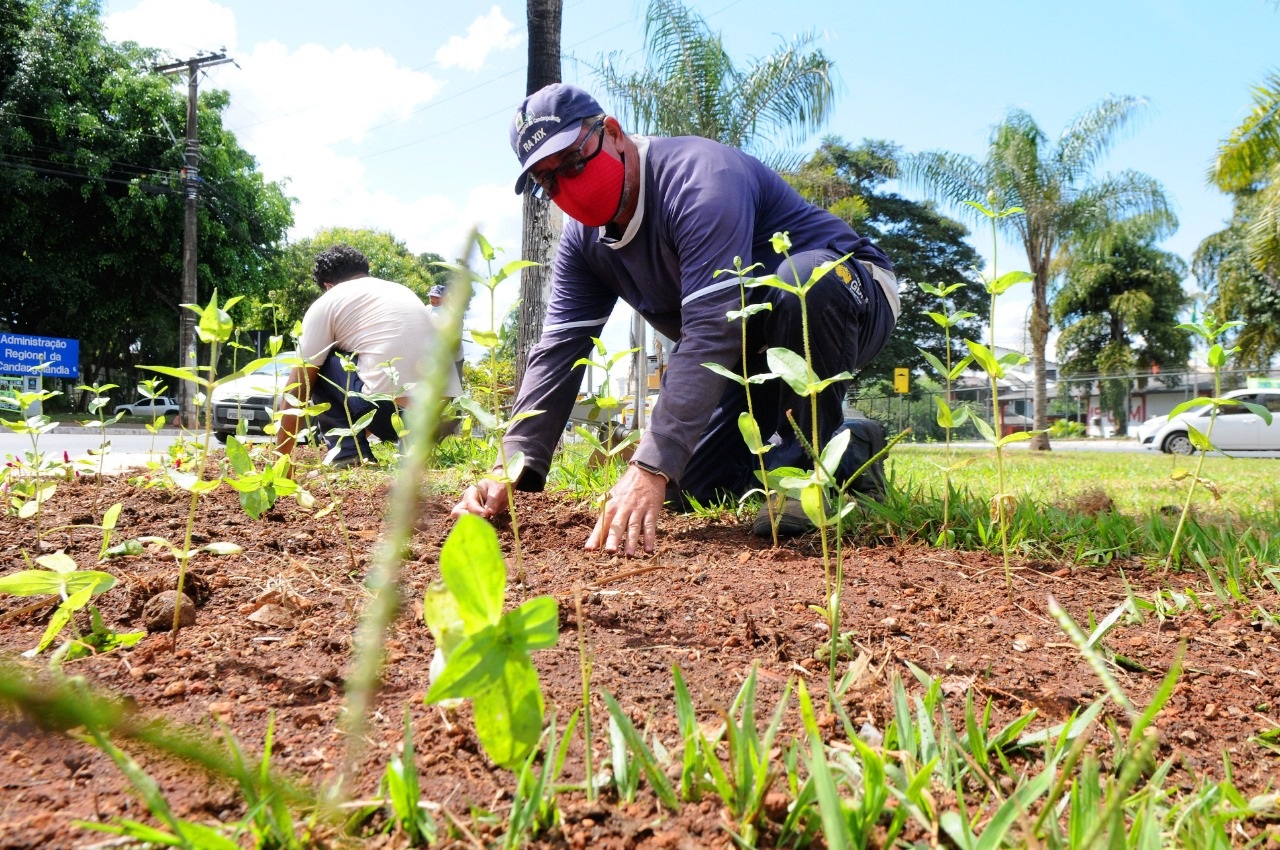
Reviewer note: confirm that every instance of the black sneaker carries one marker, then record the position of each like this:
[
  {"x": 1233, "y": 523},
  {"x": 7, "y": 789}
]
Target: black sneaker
[{"x": 791, "y": 517}]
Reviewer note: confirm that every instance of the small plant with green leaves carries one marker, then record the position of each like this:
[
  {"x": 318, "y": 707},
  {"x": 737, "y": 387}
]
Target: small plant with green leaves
[
  {"x": 947, "y": 418},
  {"x": 534, "y": 808},
  {"x": 748, "y": 425},
  {"x": 29, "y": 490},
  {"x": 400, "y": 787},
  {"x": 1003, "y": 502},
  {"x": 632, "y": 756},
  {"x": 490, "y": 665},
  {"x": 61, "y": 577},
  {"x": 152, "y": 388},
  {"x": 260, "y": 488},
  {"x": 495, "y": 424},
  {"x": 1211, "y": 332},
  {"x": 98, "y": 408},
  {"x": 751, "y": 772},
  {"x": 604, "y": 404}
]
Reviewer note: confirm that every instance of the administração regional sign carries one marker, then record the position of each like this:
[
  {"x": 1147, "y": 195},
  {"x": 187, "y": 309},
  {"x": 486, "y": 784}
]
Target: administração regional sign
[{"x": 21, "y": 354}]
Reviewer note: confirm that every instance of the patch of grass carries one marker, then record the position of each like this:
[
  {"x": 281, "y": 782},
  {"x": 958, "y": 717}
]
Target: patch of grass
[{"x": 1138, "y": 484}]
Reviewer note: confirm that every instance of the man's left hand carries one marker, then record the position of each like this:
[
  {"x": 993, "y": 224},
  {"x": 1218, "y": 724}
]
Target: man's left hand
[{"x": 631, "y": 515}]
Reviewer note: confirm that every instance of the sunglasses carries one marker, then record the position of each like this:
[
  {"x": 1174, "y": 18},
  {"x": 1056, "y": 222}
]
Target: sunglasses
[{"x": 547, "y": 186}]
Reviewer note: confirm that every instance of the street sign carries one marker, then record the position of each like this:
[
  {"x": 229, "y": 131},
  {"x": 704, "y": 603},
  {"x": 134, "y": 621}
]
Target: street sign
[
  {"x": 21, "y": 354},
  {"x": 901, "y": 380}
]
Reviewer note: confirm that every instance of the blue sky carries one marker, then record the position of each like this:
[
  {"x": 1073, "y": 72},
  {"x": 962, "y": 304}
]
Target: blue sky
[{"x": 395, "y": 117}]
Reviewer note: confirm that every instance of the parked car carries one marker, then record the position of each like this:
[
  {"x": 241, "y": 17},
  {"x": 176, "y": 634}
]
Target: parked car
[
  {"x": 1237, "y": 429},
  {"x": 149, "y": 408},
  {"x": 251, "y": 399}
]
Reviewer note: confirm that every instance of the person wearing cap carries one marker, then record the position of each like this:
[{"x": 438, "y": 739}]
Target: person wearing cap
[
  {"x": 379, "y": 325},
  {"x": 653, "y": 222}
]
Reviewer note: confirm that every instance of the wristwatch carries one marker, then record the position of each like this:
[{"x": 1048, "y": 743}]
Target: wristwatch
[{"x": 648, "y": 467}]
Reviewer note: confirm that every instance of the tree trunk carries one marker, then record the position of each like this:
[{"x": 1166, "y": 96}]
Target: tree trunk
[
  {"x": 539, "y": 235},
  {"x": 1039, "y": 339}
]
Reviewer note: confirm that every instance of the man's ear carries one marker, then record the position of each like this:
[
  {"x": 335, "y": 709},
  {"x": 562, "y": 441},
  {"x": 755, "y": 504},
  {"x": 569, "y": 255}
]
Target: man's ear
[{"x": 613, "y": 128}]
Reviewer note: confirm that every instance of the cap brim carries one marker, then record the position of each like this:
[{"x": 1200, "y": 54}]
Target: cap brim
[{"x": 553, "y": 145}]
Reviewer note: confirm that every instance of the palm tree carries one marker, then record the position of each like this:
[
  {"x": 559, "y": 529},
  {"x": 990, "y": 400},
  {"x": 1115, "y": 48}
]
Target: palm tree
[
  {"x": 690, "y": 86},
  {"x": 1248, "y": 165},
  {"x": 1060, "y": 199}
]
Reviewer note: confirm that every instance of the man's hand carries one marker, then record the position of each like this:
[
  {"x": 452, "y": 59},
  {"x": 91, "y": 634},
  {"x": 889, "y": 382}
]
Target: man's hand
[
  {"x": 486, "y": 498},
  {"x": 631, "y": 515}
]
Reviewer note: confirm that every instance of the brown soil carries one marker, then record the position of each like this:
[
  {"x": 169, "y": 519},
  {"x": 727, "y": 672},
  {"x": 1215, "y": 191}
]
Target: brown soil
[{"x": 715, "y": 602}]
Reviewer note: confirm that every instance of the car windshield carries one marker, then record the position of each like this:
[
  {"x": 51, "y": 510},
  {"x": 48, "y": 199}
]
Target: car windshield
[{"x": 275, "y": 367}]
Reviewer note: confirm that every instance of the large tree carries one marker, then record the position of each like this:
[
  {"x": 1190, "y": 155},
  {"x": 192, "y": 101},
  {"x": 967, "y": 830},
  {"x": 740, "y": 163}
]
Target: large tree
[
  {"x": 1118, "y": 310},
  {"x": 91, "y": 224},
  {"x": 1054, "y": 184},
  {"x": 690, "y": 86},
  {"x": 925, "y": 247}
]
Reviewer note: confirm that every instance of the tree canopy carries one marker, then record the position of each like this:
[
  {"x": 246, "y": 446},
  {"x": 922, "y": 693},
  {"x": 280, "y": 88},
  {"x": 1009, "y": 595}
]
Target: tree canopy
[
  {"x": 1118, "y": 310},
  {"x": 90, "y": 169}
]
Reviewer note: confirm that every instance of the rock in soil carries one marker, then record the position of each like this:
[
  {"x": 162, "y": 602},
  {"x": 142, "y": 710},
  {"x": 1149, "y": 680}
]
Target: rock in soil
[{"x": 158, "y": 612}]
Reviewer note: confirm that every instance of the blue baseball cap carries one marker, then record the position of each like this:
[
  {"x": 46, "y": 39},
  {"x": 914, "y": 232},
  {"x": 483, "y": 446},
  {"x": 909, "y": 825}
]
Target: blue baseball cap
[
  {"x": 437, "y": 291},
  {"x": 547, "y": 122}
]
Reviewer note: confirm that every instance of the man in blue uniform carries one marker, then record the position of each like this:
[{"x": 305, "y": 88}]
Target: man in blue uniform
[{"x": 652, "y": 221}]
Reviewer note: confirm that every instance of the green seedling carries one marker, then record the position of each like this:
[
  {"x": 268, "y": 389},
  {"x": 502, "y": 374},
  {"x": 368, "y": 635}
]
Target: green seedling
[
  {"x": 98, "y": 408},
  {"x": 534, "y": 808},
  {"x": 692, "y": 759},
  {"x": 1003, "y": 502},
  {"x": 75, "y": 587},
  {"x": 509, "y": 468},
  {"x": 586, "y": 664},
  {"x": 1210, "y": 332},
  {"x": 260, "y": 488},
  {"x": 27, "y": 496},
  {"x": 152, "y": 388},
  {"x": 400, "y": 789},
  {"x": 491, "y": 664},
  {"x": 631, "y": 755},
  {"x": 605, "y": 404},
  {"x": 750, "y": 774},
  {"x": 748, "y": 425},
  {"x": 947, "y": 418}
]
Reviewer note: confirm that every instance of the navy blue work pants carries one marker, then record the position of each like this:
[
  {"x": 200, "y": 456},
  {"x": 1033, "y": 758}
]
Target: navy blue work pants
[{"x": 849, "y": 323}]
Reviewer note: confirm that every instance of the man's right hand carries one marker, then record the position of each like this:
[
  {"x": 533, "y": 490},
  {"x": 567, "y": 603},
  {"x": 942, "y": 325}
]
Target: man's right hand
[{"x": 486, "y": 498}]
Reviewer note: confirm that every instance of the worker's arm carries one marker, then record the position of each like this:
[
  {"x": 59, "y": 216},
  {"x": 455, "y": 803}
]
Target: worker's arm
[{"x": 301, "y": 380}]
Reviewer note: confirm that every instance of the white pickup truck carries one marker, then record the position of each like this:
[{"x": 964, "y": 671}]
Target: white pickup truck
[{"x": 150, "y": 408}]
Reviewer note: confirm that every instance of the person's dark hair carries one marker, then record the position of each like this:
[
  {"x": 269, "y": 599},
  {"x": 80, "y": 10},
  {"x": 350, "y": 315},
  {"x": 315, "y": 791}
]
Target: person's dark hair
[{"x": 339, "y": 263}]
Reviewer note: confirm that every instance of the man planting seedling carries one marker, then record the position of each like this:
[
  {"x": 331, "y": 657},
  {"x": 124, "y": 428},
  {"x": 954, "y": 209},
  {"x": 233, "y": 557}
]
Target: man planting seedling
[{"x": 653, "y": 221}]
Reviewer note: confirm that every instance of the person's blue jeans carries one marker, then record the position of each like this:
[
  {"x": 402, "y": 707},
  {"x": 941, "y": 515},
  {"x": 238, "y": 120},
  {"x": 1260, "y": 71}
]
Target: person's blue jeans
[
  {"x": 341, "y": 390},
  {"x": 849, "y": 323}
]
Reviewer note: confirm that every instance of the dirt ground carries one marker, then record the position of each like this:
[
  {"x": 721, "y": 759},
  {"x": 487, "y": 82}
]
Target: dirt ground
[{"x": 716, "y": 602}]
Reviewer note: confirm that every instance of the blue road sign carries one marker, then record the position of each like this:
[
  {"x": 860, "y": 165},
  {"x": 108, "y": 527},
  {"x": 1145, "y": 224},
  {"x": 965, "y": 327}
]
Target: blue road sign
[{"x": 21, "y": 354}]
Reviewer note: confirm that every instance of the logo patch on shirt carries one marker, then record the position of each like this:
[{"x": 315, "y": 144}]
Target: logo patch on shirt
[{"x": 846, "y": 276}]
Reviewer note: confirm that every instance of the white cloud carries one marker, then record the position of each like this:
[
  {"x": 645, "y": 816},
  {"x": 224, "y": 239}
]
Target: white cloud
[
  {"x": 486, "y": 34},
  {"x": 170, "y": 24}
]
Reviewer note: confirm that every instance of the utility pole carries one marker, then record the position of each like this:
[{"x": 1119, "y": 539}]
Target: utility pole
[{"x": 191, "y": 190}]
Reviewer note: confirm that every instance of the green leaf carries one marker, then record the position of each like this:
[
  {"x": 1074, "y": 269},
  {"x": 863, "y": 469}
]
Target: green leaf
[
  {"x": 59, "y": 562},
  {"x": 474, "y": 571},
  {"x": 811, "y": 502},
  {"x": 222, "y": 548},
  {"x": 725, "y": 373},
  {"x": 238, "y": 456},
  {"x": 750, "y": 430},
  {"x": 1199, "y": 440},
  {"x": 1015, "y": 437},
  {"x": 1009, "y": 279},
  {"x": 791, "y": 367},
  {"x": 535, "y": 624},
  {"x": 485, "y": 339},
  {"x": 933, "y": 361},
  {"x": 509, "y": 715},
  {"x": 985, "y": 359}
]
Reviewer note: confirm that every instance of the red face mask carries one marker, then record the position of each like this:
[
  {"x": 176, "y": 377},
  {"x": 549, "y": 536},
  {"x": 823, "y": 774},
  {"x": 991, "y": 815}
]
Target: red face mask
[{"x": 593, "y": 197}]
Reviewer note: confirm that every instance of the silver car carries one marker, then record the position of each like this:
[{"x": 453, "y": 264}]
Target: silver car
[{"x": 1237, "y": 429}]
